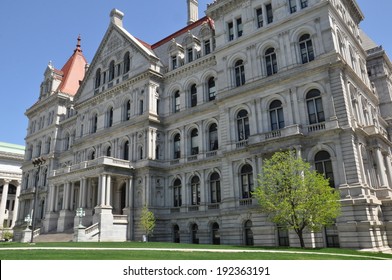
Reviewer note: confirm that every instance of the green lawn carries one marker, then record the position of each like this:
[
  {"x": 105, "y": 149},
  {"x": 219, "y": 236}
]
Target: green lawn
[{"x": 147, "y": 251}]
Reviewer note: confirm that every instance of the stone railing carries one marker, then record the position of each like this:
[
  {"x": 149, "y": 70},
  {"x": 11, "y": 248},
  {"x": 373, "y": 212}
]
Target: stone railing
[{"x": 92, "y": 163}]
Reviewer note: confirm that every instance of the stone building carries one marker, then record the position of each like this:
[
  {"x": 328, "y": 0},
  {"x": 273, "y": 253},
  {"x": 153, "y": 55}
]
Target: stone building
[
  {"x": 11, "y": 159},
  {"x": 183, "y": 126}
]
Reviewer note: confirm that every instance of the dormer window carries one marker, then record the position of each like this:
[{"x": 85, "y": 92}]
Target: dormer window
[
  {"x": 190, "y": 54},
  {"x": 174, "y": 62},
  {"x": 176, "y": 53},
  {"x": 207, "y": 47}
]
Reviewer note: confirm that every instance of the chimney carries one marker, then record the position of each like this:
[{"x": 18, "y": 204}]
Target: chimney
[
  {"x": 193, "y": 11},
  {"x": 116, "y": 17}
]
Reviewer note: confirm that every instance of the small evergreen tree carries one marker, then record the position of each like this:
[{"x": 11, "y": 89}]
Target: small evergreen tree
[
  {"x": 295, "y": 196},
  {"x": 147, "y": 221}
]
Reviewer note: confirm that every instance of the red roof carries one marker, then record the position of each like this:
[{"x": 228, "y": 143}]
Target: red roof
[
  {"x": 183, "y": 30},
  {"x": 73, "y": 71}
]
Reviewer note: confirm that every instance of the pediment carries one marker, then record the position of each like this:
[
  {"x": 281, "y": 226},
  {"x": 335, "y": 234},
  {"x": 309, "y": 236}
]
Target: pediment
[{"x": 116, "y": 43}]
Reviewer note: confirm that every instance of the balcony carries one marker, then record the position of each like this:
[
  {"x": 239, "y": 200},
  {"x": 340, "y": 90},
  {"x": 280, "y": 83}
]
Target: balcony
[
  {"x": 373, "y": 130},
  {"x": 102, "y": 161},
  {"x": 281, "y": 133}
]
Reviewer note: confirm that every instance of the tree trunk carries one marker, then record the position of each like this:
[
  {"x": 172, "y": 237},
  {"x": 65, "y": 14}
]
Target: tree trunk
[{"x": 301, "y": 238}]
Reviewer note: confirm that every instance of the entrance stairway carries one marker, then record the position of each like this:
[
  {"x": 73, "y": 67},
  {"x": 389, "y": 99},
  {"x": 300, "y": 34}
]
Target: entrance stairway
[{"x": 54, "y": 237}]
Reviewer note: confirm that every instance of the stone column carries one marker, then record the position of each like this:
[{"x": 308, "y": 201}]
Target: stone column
[
  {"x": 108, "y": 190},
  {"x": 3, "y": 202},
  {"x": 16, "y": 206},
  {"x": 389, "y": 170}
]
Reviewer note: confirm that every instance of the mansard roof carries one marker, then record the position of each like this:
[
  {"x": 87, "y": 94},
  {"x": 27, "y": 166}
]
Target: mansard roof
[{"x": 73, "y": 71}]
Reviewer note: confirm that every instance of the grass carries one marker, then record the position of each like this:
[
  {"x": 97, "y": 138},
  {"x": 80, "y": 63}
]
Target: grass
[{"x": 148, "y": 251}]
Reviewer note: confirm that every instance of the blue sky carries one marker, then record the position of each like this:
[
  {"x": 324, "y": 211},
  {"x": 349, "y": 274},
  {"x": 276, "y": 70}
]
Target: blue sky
[{"x": 36, "y": 32}]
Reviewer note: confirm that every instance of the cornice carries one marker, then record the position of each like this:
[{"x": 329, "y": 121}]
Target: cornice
[
  {"x": 194, "y": 66},
  {"x": 96, "y": 99},
  {"x": 51, "y": 100}
]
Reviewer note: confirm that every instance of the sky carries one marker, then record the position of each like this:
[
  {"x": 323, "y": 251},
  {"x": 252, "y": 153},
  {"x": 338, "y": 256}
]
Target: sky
[{"x": 35, "y": 32}]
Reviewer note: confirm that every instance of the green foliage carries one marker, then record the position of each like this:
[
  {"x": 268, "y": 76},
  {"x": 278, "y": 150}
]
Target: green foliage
[
  {"x": 7, "y": 235},
  {"x": 147, "y": 221},
  {"x": 295, "y": 196}
]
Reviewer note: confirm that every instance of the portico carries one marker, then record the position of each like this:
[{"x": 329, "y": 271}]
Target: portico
[{"x": 102, "y": 187}]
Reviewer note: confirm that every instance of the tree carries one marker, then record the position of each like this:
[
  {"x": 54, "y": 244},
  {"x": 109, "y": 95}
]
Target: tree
[
  {"x": 147, "y": 221},
  {"x": 296, "y": 196}
]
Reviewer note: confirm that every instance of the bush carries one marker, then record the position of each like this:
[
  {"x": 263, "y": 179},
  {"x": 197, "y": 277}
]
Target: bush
[{"x": 7, "y": 235}]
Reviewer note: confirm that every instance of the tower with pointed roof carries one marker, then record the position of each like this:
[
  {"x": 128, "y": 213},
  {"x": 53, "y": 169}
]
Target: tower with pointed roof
[{"x": 55, "y": 103}]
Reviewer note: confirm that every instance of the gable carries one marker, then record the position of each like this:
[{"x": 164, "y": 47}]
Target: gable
[{"x": 116, "y": 44}]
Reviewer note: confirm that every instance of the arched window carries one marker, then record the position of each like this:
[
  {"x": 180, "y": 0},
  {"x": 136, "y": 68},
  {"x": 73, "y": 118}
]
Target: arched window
[
  {"x": 94, "y": 123},
  {"x": 36, "y": 179},
  {"x": 248, "y": 233},
  {"x": 194, "y": 230},
  {"x": 110, "y": 117},
  {"x": 193, "y": 95},
  {"x": 306, "y": 48},
  {"x": 271, "y": 62},
  {"x": 243, "y": 125},
  {"x": 177, "y": 101},
  {"x": 177, "y": 196},
  {"x": 45, "y": 177},
  {"x": 323, "y": 165},
  {"x": 176, "y": 234},
  {"x": 39, "y": 148},
  {"x": 66, "y": 141},
  {"x": 127, "y": 110},
  {"x": 246, "y": 181},
  {"x": 239, "y": 72},
  {"x": 283, "y": 236},
  {"x": 176, "y": 146},
  {"x": 111, "y": 71},
  {"x": 195, "y": 190},
  {"x": 126, "y": 150},
  {"x": 157, "y": 152},
  {"x": 127, "y": 63},
  {"x": 211, "y": 89},
  {"x": 141, "y": 152},
  {"x": 194, "y": 142},
  {"x": 315, "y": 107},
  {"x": 276, "y": 115},
  {"x": 215, "y": 234},
  {"x": 48, "y": 144},
  {"x": 215, "y": 189},
  {"x": 91, "y": 155},
  {"x": 213, "y": 137},
  {"x": 98, "y": 78},
  {"x": 109, "y": 151}
]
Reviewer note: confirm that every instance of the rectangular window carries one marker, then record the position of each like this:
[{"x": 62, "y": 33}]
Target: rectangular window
[
  {"x": 141, "y": 109},
  {"x": 239, "y": 27},
  {"x": 293, "y": 6},
  {"x": 259, "y": 17},
  {"x": 304, "y": 4},
  {"x": 270, "y": 15},
  {"x": 207, "y": 47},
  {"x": 174, "y": 62},
  {"x": 190, "y": 54},
  {"x": 230, "y": 27}
]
